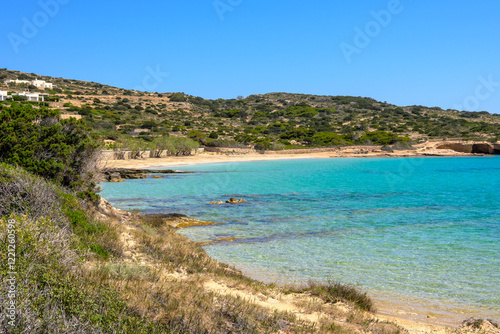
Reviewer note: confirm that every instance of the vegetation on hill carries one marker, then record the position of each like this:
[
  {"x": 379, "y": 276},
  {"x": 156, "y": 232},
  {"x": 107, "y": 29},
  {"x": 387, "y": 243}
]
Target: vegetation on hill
[
  {"x": 269, "y": 122},
  {"x": 64, "y": 151},
  {"x": 77, "y": 270},
  {"x": 72, "y": 270}
]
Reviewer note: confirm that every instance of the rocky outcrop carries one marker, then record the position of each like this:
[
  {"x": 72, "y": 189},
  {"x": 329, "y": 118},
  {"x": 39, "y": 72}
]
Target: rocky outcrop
[
  {"x": 483, "y": 148},
  {"x": 115, "y": 177},
  {"x": 106, "y": 210},
  {"x": 119, "y": 175},
  {"x": 477, "y": 148},
  {"x": 387, "y": 148},
  {"x": 165, "y": 215},
  {"x": 233, "y": 200},
  {"x": 480, "y": 326},
  {"x": 457, "y": 147},
  {"x": 176, "y": 220}
]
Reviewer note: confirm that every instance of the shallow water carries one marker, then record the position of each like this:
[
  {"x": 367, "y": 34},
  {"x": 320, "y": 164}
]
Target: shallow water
[{"x": 417, "y": 228}]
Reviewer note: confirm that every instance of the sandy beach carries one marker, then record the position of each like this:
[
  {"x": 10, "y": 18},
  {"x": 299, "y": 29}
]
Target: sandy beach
[{"x": 428, "y": 149}]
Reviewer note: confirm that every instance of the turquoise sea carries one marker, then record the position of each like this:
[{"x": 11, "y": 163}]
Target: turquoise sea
[{"x": 412, "y": 228}]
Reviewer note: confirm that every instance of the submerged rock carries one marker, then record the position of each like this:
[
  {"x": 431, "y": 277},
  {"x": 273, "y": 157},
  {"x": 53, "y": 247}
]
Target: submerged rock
[
  {"x": 233, "y": 200},
  {"x": 136, "y": 176},
  {"x": 166, "y": 215},
  {"x": 218, "y": 202}
]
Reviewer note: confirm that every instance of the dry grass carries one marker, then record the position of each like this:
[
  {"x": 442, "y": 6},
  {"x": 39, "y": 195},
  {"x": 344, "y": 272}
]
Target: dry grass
[{"x": 138, "y": 275}]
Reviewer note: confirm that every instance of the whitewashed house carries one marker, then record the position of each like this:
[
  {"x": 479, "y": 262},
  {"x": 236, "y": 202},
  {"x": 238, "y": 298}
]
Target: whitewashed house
[
  {"x": 18, "y": 82},
  {"x": 37, "y": 83},
  {"x": 3, "y": 95},
  {"x": 41, "y": 84},
  {"x": 33, "y": 97}
]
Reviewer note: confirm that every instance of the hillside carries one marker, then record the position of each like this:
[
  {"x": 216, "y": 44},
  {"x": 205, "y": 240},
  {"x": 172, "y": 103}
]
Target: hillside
[
  {"x": 74, "y": 264},
  {"x": 270, "y": 121}
]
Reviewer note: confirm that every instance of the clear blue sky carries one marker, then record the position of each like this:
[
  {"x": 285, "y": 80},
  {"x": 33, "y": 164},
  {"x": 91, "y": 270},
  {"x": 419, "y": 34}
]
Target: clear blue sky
[{"x": 434, "y": 53}]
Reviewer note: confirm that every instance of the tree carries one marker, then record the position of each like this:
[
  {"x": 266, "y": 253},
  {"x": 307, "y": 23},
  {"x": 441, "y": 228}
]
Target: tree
[
  {"x": 196, "y": 135},
  {"x": 178, "y": 97},
  {"x": 63, "y": 151}
]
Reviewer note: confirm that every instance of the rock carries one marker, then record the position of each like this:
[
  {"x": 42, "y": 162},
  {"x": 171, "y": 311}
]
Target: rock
[
  {"x": 166, "y": 215},
  {"x": 157, "y": 177},
  {"x": 479, "y": 148},
  {"x": 218, "y": 202},
  {"x": 387, "y": 148},
  {"x": 484, "y": 148},
  {"x": 107, "y": 210},
  {"x": 481, "y": 325},
  {"x": 457, "y": 147},
  {"x": 233, "y": 200},
  {"x": 115, "y": 177},
  {"x": 116, "y": 180},
  {"x": 402, "y": 146},
  {"x": 135, "y": 176}
]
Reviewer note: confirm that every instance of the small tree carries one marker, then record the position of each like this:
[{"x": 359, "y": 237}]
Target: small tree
[{"x": 63, "y": 151}]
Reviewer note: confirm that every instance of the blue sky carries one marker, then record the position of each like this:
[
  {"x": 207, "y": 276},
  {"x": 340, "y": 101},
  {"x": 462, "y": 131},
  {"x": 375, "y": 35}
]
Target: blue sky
[{"x": 404, "y": 52}]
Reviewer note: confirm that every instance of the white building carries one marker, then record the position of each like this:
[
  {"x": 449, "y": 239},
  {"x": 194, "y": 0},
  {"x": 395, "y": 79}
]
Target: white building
[
  {"x": 18, "y": 82},
  {"x": 34, "y": 97},
  {"x": 37, "y": 83},
  {"x": 41, "y": 84},
  {"x": 3, "y": 95}
]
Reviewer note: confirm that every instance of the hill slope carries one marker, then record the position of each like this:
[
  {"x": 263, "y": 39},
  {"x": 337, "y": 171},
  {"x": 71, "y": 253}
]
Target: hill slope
[{"x": 270, "y": 121}]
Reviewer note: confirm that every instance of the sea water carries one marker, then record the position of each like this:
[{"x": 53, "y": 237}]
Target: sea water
[{"x": 421, "y": 228}]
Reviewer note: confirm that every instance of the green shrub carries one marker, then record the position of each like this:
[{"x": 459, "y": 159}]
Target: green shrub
[
  {"x": 333, "y": 292},
  {"x": 64, "y": 151}
]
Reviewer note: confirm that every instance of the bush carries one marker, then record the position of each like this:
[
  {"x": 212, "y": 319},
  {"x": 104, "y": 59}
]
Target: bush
[
  {"x": 60, "y": 150},
  {"x": 178, "y": 97},
  {"x": 172, "y": 146},
  {"x": 334, "y": 292},
  {"x": 24, "y": 194},
  {"x": 54, "y": 294},
  {"x": 327, "y": 139},
  {"x": 383, "y": 138}
]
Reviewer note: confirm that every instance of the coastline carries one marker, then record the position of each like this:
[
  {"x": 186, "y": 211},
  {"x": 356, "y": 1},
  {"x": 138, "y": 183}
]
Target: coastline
[
  {"x": 410, "y": 314},
  {"x": 415, "y": 317},
  {"x": 399, "y": 308},
  {"x": 428, "y": 149}
]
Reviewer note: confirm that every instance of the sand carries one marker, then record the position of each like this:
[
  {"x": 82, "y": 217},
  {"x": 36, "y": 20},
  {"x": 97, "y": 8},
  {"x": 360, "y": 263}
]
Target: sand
[{"x": 427, "y": 149}]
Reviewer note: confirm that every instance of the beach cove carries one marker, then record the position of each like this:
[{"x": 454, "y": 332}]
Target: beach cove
[{"x": 376, "y": 230}]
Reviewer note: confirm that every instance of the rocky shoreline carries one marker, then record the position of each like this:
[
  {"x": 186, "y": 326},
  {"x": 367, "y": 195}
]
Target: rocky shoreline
[
  {"x": 122, "y": 174},
  {"x": 407, "y": 324}
]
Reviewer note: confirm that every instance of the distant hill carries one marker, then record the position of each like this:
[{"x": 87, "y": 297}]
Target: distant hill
[{"x": 269, "y": 121}]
